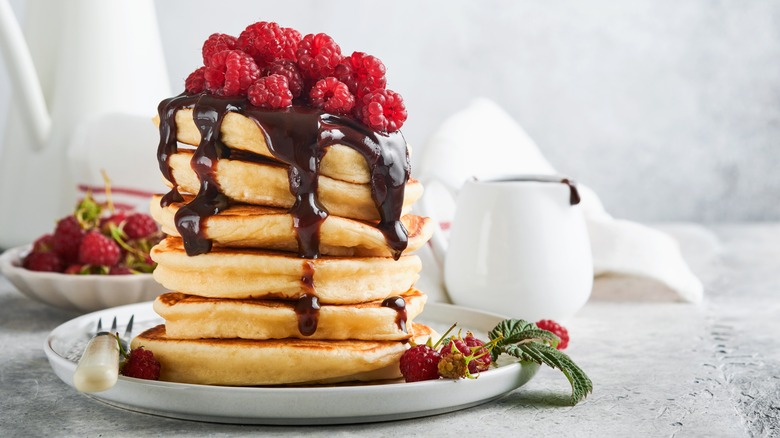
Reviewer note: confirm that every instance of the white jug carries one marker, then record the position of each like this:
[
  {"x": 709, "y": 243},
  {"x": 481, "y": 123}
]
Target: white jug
[
  {"x": 80, "y": 60},
  {"x": 518, "y": 246}
]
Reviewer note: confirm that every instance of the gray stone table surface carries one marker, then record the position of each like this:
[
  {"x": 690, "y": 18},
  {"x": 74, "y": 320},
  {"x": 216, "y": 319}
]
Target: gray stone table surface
[{"x": 660, "y": 368}]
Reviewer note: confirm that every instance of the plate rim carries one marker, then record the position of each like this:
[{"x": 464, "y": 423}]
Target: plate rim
[{"x": 516, "y": 374}]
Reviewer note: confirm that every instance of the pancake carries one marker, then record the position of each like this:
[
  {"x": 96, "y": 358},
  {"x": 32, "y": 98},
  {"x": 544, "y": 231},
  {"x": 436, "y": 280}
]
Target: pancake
[
  {"x": 251, "y": 226},
  {"x": 242, "y": 362},
  {"x": 245, "y": 273},
  {"x": 194, "y": 317},
  {"x": 268, "y": 185},
  {"x": 241, "y": 133}
]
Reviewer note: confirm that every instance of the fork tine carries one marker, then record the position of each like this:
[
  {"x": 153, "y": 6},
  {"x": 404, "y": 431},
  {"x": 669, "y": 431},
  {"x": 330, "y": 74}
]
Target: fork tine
[
  {"x": 100, "y": 325},
  {"x": 113, "y": 326},
  {"x": 129, "y": 328}
]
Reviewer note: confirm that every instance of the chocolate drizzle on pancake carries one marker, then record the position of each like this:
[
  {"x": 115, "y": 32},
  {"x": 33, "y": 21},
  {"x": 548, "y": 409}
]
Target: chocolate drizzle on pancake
[
  {"x": 399, "y": 305},
  {"x": 298, "y": 137}
]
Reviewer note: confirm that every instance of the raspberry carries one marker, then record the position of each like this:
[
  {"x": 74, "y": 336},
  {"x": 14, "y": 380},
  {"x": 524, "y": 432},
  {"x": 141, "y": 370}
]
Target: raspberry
[
  {"x": 267, "y": 42},
  {"x": 453, "y": 364},
  {"x": 367, "y": 73},
  {"x": 97, "y": 249},
  {"x": 478, "y": 358},
  {"x": 139, "y": 225},
  {"x": 67, "y": 239},
  {"x": 332, "y": 95},
  {"x": 119, "y": 270},
  {"x": 318, "y": 56},
  {"x": 383, "y": 110},
  {"x": 115, "y": 219},
  {"x": 289, "y": 70},
  {"x": 196, "y": 82},
  {"x": 230, "y": 73},
  {"x": 215, "y": 43},
  {"x": 270, "y": 92},
  {"x": 141, "y": 364},
  {"x": 420, "y": 362},
  {"x": 557, "y": 329},
  {"x": 43, "y": 262},
  {"x": 74, "y": 269},
  {"x": 44, "y": 243}
]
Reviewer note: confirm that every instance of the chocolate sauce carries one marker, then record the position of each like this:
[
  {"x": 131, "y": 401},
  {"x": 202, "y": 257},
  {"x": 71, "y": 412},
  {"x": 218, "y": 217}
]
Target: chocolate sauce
[
  {"x": 298, "y": 138},
  {"x": 399, "y": 305},
  {"x": 574, "y": 194},
  {"x": 308, "y": 311},
  {"x": 208, "y": 113}
]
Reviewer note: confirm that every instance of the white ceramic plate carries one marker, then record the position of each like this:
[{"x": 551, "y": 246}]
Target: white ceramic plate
[
  {"x": 84, "y": 293},
  {"x": 291, "y": 405}
]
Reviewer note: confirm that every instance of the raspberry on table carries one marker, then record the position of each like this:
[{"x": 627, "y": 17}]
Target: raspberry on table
[
  {"x": 139, "y": 225},
  {"x": 332, "y": 95},
  {"x": 266, "y": 42},
  {"x": 318, "y": 56},
  {"x": 289, "y": 70},
  {"x": 557, "y": 329},
  {"x": 383, "y": 110},
  {"x": 43, "y": 262},
  {"x": 141, "y": 364},
  {"x": 217, "y": 42},
  {"x": 270, "y": 92},
  {"x": 420, "y": 362},
  {"x": 196, "y": 81},
  {"x": 230, "y": 73},
  {"x": 67, "y": 239},
  {"x": 97, "y": 249}
]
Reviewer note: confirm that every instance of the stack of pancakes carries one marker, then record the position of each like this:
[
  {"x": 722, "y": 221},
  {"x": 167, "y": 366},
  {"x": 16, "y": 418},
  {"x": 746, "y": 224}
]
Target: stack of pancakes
[{"x": 289, "y": 249}]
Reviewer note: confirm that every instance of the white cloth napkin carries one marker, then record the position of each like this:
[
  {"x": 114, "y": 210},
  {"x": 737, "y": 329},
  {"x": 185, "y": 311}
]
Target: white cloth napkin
[{"x": 620, "y": 248}]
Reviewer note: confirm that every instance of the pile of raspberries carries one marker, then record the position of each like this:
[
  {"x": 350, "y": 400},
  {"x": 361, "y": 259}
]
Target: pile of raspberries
[{"x": 274, "y": 66}]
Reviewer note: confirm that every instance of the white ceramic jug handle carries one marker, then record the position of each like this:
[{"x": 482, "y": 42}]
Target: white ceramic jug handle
[
  {"x": 22, "y": 70},
  {"x": 438, "y": 241}
]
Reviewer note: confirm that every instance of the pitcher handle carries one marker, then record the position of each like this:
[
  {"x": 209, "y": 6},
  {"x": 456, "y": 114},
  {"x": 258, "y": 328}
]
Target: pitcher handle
[{"x": 438, "y": 240}]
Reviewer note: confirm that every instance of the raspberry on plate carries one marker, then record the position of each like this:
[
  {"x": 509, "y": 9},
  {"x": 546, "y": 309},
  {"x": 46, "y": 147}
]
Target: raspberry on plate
[
  {"x": 420, "y": 362},
  {"x": 332, "y": 95},
  {"x": 270, "y": 92},
  {"x": 141, "y": 364},
  {"x": 230, "y": 73},
  {"x": 43, "y": 262},
  {"x": 557, "y": 330},
  {"x": 67, "y": 239},
  {"x": 139, "y": 225},
  {"x": 97, "y": 249}
]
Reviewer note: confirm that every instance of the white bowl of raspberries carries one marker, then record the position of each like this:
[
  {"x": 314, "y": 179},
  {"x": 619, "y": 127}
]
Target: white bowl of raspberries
[{"x": 95, "y": 259}]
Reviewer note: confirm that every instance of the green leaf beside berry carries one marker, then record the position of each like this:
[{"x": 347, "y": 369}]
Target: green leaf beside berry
[{"x": 527, "y": 342}]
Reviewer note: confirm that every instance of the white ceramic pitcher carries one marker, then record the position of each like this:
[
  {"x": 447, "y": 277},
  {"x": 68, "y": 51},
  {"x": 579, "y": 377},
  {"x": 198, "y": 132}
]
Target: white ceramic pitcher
[
  {"x": 77, "y": 60},
  {"x": 518, "y": 246}
]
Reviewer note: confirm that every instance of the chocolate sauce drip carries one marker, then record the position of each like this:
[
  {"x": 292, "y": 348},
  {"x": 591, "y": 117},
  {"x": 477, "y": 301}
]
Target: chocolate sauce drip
[
  {"x": 399, "y": 305},
  {"x": 168, "y": 144},
  {"x": 208, "y": 113},
  {"x": 574, "y": 194},
  {"x": 388, "y": 160},
  {"x": 308, "y": 311}
]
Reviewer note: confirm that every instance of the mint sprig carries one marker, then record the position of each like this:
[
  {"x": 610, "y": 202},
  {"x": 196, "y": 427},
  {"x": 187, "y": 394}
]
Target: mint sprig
[{"x": 525, "y": 341}]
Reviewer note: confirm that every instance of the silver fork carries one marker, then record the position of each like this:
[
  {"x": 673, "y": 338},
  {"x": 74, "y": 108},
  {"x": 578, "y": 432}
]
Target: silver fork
[{"x": 98, "y": 368}]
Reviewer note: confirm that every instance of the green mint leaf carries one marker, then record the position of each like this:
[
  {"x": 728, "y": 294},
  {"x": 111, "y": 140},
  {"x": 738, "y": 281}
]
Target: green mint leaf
[{"x": 525, "y": 341}]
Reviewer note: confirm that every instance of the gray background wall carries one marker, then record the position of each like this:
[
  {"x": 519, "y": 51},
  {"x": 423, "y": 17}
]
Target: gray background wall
[{"x": 669, "y": 109}]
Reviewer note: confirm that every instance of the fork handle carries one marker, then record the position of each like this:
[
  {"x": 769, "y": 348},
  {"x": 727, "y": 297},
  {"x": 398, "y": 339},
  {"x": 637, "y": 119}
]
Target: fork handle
[{"x": 98, "y": 368}]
